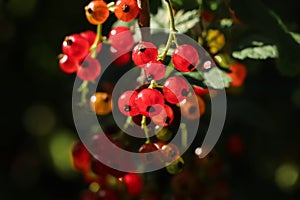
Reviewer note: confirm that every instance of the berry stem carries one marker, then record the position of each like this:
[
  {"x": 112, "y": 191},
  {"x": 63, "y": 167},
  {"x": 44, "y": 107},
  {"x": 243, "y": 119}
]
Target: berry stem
[
  {"x": 184, "y": 135},
  {"x": 83, "y": 89},
  {"x": 144, "y": 127},
  {"x": 172, "y": 34},
  {"x": 97, "y": 40},
  {"x": 128, "y": 122}
]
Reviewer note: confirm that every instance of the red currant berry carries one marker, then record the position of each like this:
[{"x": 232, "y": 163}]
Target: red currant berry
[
  {"x": 147, "y": 148},
  {"x": 121, "y": 38},
  {"x": 89, "y": 36},
  {"x": 170, "y": 152},
  {"x": 101, "y": 103},
  {"x": 155, "y": 70},
  {"x": 193, "y": 107},
  {"x": 89, "y": 70},
  {"x": 126, "y": 10},
  {"x": 185, "y": 58},
  {"x": 67, "y": 64},
  {"x": 96, "y": 12},
  {"x": 238, "y": 74},
  {"x": 81, "y": 157},
  {"x": 75, "y": 47},
  {"x": 165, "y": 117},
  {"x": 235, "y": 145},
  {"x": 120, "y": 59},
  {"x": 175, "y": 89},
  {"x": 103, "y": 170},
  {"x": 150, "y": 102},
  {"x": 134, "y": 184},
  {"x": 143, "y": 53},
  {"x": 127, "y": 104},
  {"x": 106, "y": 194},
  {"x": 200, "y": 90}
]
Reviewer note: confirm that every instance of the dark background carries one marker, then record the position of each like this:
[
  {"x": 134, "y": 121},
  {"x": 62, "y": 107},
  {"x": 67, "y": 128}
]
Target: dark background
[{"x": 36, "y": 115}]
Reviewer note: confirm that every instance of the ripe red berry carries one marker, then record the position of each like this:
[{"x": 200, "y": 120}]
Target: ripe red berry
[
  {"x": 185, "y": 58},
  {"x": 165, "y": 117},
  {"x": 120, "y": 58},
  {"x": 126, "y": 10},
  {"x": 134, "y": 184},
  {"x": 175, "y": 89},
  {"x": 155, "y": 70},
  {"x": 96, "y": 12},
  {"x": 200, "y": 90},
  {"x": 89, "y": 70},
  {"x": 147, "y": 148},
  {"x": 238, "y": 74},
  {"x": 150, "y": 102},
  {"x": 89, "y": 36},
  {"x": 121, "y": 39},
  {"x": 75, "y": 46},
  {"x": 193, "y": 107},
  {"x": 127, "y": 104},
  {"x": 81, "y": 157},
  {"x": 67, "y": 64},
  {"x": 143, "y": 53}
]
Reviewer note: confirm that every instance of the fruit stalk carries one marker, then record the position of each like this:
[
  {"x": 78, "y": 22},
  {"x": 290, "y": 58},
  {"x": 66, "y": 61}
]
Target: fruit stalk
[{"x": 144, "y": 19}]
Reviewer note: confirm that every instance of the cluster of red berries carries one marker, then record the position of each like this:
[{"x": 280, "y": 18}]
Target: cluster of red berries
[{"x": 76, "y": 56}]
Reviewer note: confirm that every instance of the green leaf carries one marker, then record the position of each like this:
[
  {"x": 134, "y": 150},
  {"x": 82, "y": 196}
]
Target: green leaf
[
  {"x": 183, "y": 20},
  {"x": 296, "y": 37},
  {"x": 186, "y": 20},
  {"x": 258, "y": 52},
  {"x": 216, "y": 79},
  {"x": 261, "y": 19}
]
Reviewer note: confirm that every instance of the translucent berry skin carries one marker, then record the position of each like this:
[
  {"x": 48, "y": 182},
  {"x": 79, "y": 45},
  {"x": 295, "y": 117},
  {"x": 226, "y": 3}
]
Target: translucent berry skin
[
  {"x": 143, "y": 53},
  {"x": 185, "y": 58},
  {"x": 175, "y": 89},
  {"x": 134, "y": 184},
  {"x": 165, "y": 117},
  {"x": 89, "y": 36},
  {"x": 89, "y": 70},
  {"x": 121, "y": 38},
  {"x": 96, "y": 12},
  {"x": 170, "y": 152},
  {"x": 126, "y": 10},
  {"x": 200, "y": 90},
  {"x": 75, "y": 46},
  {"x": 101, "y": 103},
  {"x": 238, "y": 74},
  {"x": 67, "y": 64},
  {"x": 193, "y": 108},
  {"x": 81, "y": 157},
  {"x": 127, "y": 104},
  {"x": 155, "y": 70},
  {"x": 147, "y": 148},
  {"x": 150, "y": 102}
]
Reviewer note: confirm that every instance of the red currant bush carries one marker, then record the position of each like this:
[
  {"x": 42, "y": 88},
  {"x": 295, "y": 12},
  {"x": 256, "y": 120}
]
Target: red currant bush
[
  {"x": 150, "y": 102},
  {"x": 143, "y": 53},
  {"x": 75, "y": 46},
  {"x": 96, "y": 12},
  {"x": 175, "y": 89},
  {"x": 185, "y": 58},
  {"x": 126, "y": 10}
]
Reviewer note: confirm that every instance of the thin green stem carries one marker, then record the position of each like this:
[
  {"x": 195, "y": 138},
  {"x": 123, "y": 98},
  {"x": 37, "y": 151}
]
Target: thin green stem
[
  {"x": 184, "y": 135},
  {"x": 83, "y": 89},
  {"x": 144, "y": 127},
  {"x": 97, "y": 40},
  {"x": 168, "y": 45},
  {"x": 172, "y": 22}
]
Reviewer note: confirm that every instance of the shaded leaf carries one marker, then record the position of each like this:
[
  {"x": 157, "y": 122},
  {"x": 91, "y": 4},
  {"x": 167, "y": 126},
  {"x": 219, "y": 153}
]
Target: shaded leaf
[
  {"x": 216, "y": 79},
  {"x": 257, "y": 52}
]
